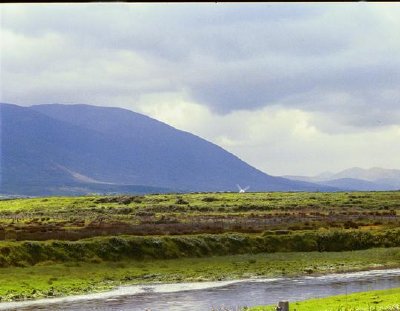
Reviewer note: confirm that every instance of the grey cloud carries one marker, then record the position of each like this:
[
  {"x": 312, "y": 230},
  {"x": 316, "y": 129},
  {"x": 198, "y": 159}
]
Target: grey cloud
[
  {"x": 165, "y": 30},
  {"x": 246, "y": 86},
  {"x": 228, "y": 57}
]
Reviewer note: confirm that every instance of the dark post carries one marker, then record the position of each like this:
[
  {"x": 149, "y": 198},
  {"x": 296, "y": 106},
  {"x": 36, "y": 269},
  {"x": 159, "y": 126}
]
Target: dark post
[{"x": 283, "y": 306}]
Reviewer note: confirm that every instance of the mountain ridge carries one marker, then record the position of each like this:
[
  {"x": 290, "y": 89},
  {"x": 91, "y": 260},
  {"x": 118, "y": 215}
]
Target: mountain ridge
[
  {"x": 57, "y": 146},
  {"x": 357, "y": 178}
]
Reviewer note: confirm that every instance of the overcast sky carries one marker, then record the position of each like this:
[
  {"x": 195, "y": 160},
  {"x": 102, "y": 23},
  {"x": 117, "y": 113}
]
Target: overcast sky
[{"x": 289, "y": 88}]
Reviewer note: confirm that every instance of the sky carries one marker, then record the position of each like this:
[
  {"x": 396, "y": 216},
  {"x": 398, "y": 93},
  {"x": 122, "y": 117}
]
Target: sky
[{"x": 292, "y": 89}]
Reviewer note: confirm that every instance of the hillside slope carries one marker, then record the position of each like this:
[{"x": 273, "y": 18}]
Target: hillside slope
[{"x": 79, "y": 146}]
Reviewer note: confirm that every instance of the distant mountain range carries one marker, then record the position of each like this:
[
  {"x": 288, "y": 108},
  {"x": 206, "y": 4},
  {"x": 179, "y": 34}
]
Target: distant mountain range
[
  {"x": 357, "y": 179},
  {"x": 77, "y": 149}
]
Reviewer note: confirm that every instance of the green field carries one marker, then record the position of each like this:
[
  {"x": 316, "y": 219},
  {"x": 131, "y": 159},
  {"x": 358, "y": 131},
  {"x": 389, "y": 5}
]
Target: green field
[
  {"x": 74, "y": 218},
  {"x": 380, "y": 300},
  {"x": 62, "y": 245}
]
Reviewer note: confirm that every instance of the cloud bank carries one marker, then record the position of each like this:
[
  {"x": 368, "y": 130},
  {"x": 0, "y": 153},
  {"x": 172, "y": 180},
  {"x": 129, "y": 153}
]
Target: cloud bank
[{"x": 290, "y": 88}]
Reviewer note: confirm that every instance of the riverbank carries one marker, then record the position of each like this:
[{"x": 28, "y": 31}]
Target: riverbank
[
  {"x": 217, "y": 295},
  {"x": 378, "y": 300},
  {"x": 49, "y": 279}
]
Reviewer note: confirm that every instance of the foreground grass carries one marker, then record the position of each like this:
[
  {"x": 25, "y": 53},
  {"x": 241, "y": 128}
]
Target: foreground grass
[
  {"x": 49, "y": 279},
  {"x": 382, "y": 300}
]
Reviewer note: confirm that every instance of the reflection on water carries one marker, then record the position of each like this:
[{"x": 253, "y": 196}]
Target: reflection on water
[{"x": 206, "y": 295}]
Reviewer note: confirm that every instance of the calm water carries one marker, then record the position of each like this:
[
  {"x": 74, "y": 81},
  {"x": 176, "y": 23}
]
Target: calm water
[{"x": 205, "y": 296}]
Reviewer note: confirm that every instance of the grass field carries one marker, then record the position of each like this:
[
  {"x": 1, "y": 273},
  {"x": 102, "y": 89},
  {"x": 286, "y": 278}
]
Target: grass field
[
  {"x": 380, "y": 300},
  {"x": 82, "y": 217}
]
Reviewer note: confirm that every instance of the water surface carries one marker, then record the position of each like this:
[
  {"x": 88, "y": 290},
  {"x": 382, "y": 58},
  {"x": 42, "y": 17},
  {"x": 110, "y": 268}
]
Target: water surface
[{"x": 203, "y": 296}]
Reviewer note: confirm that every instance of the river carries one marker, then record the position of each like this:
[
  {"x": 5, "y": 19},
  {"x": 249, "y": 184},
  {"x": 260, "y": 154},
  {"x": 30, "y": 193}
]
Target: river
[{"x": 204, "y": 296}]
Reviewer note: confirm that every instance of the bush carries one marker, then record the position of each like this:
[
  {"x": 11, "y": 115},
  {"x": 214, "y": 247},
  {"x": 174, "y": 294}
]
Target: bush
[
  {"x": 209, "y": 199},
  {"x": 181, "y": 201},
  {"x": 165, "y": 247}
]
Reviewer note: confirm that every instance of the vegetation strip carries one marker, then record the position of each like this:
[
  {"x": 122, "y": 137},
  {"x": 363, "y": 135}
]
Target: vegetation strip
[
  {"x": 166, "y": 247},
  {"x": 74, "y": 218}
]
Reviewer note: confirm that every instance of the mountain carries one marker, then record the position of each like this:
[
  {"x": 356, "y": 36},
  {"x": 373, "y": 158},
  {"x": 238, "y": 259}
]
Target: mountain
[
  {"x": 74, "y": 149},
  {"x": 372, "y": 174},
  {"x": 351, "y": 184},
  {"x": 373, "y": 179}
]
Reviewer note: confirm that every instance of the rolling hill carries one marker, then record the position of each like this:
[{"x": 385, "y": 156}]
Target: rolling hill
[{"x": 75, "y": 149}]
